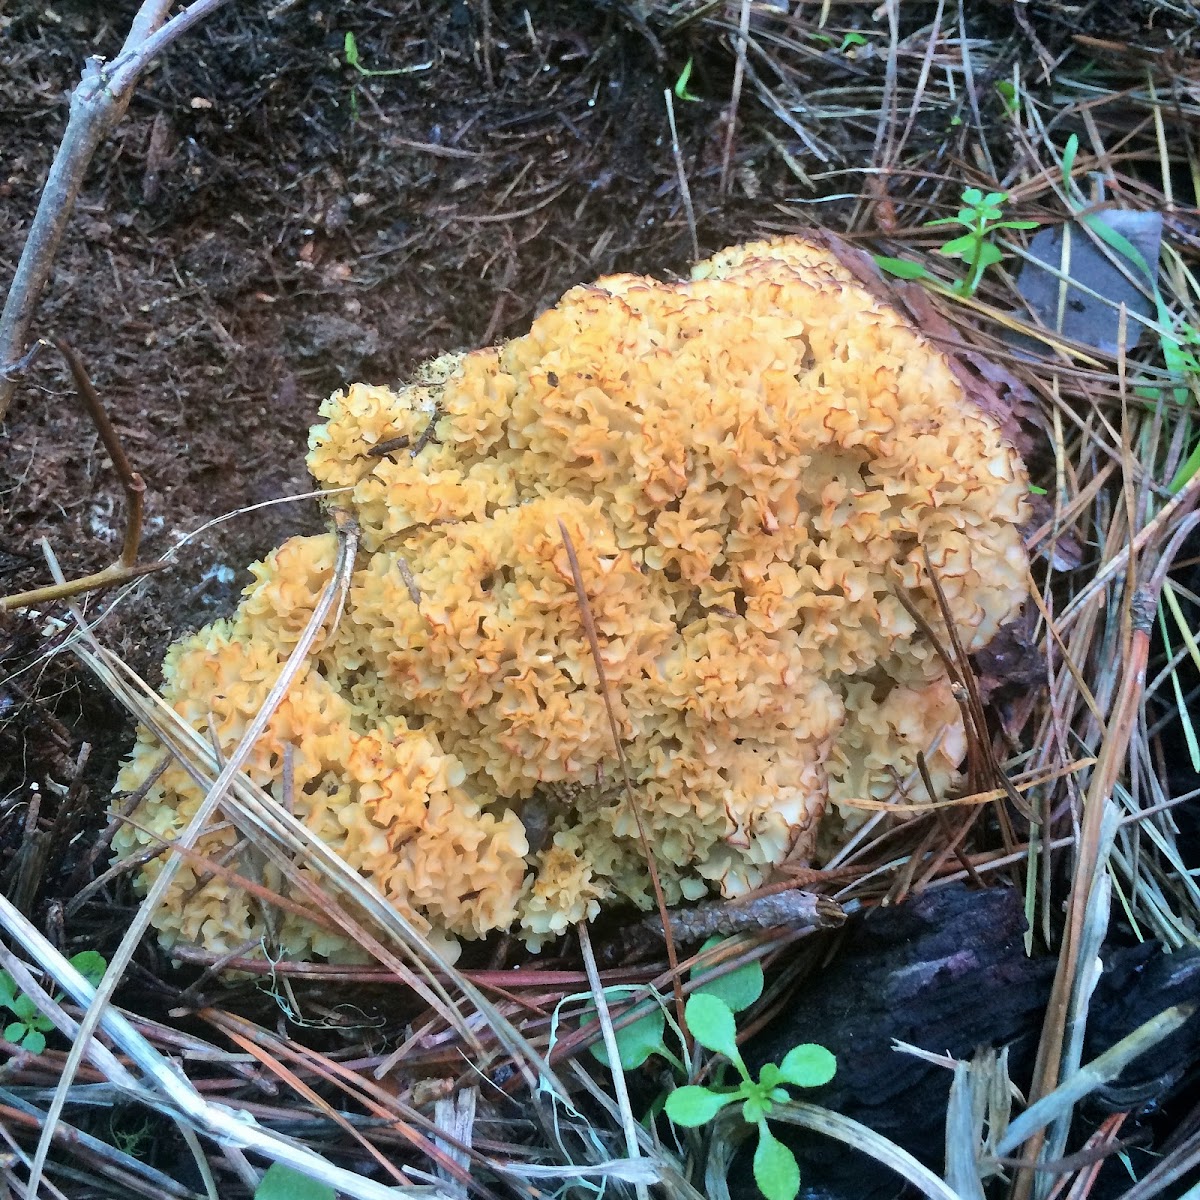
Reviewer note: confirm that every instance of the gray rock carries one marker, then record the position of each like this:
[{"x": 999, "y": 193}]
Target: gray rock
[{"x": 1085, "y": 318}]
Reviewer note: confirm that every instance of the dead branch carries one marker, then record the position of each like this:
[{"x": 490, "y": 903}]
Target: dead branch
[
  {"x": 126, "y": 567},
  {"x": 97, "y": 105}
]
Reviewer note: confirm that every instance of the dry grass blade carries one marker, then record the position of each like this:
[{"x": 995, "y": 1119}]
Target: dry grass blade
[
  {"x": 170, "y": 1091},
  {"x": 628, "y": 1123},
  {"x": 1086, "y": 1079}
]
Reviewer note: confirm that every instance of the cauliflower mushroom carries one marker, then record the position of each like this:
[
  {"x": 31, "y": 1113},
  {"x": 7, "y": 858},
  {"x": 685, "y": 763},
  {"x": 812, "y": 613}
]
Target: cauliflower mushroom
[{"x": 749, "y": 465}]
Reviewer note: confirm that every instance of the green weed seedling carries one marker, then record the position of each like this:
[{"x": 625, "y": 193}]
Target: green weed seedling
[
  {"x": 710, "y": 1017},
  {"x": 30, "y": 1027},
  {"x": 354, "y": 59},
  {"x": 981, "y": 216},
  {"x": 712, "y": 1024}
]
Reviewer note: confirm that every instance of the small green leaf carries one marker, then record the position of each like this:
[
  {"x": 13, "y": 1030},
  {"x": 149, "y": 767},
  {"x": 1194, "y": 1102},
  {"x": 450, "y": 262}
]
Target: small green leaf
[
  {"x": 1037, "y": 491},
  {"x": 15, "y": 1031},
  {"x": 91, "y": 964},
  {"x": 1068, "y": 158},
  {"x": 988, "y": 255},
  {"x": 945, "y": 221},
  {"x": 739, "y": 988},
  {"x": 34, "y": 1041},
  {"x": 636, "y": 1041},
  {"x": 681, "y": 84},
  {"x": 993, "y": 198},
  {"x": 901, "y": 267},
  {"x": 1187, "y": 469},
  {"x": 8, "y": 989},
  {"x": 1118, "y": 241},
  {"x": 807, "y": 1065},
  {"x": 690, "y": 1106},
  {"x": 770, "y": 1075},
  {"x": 775, "y": 1169},
  {"x": 350, "y": 51},
  {"x": 852, "y": 39},
  {"x": 1017, "y": 224},
  {"x": 283, "y": 1183},
  {"x": 712, "y": 1025},
  {"x": 755, "y": 1108},
  {"x": 960, "y": 247},
  {"x": 973, "y": 197},
  {"x": 26, "y": 1009}
]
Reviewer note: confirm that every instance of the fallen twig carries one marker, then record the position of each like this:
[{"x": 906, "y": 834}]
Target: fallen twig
[{"x": 126, "y": 567}]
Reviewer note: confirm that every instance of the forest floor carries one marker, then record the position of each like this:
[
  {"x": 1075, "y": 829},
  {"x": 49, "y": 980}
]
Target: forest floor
[{"x": 270, "y": 223}]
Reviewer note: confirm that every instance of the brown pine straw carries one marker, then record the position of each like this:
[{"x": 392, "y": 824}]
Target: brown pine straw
[{"x": 589, "y": 626}]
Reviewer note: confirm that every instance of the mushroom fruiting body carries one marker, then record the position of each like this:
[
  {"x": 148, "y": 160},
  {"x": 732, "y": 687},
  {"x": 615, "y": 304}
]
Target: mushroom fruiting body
[{"x": 749, "y": 466}]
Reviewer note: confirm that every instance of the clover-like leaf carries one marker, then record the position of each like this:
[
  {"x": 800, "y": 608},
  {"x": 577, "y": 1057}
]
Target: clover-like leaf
[
  {"x": 25, "y": 1009},
  {"x": 15, "y": 1031},
  {"x": 34, "y": 1041},
  {"x": 973, "y": 197},
  {"x": 807, "y": 1065},
  {"x": 692, "y": 1105},
  {"x": 8, "y": 989},
  {"x": 738, "y": 988},
  {"x": 775, "y": 1169},
  {"x": 91, "y": 964},
  {"x": 712, "y": 1025}
]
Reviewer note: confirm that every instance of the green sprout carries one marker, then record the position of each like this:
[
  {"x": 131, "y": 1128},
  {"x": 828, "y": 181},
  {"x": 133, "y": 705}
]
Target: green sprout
[
  {"x": 681, "y": 84},
  {"x": 351, "y": 55},
  {"x": 354, "y": 59},
  {"x": 31, "y": 1026},
  {"x": 1009, "y": 96},
  {"x": 981, "y": 216},
  {"x": 712, "y": 1024}
]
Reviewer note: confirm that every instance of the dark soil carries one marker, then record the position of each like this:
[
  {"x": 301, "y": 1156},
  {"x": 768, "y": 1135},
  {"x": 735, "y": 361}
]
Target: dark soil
[{"x": 268, "y": 224}]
